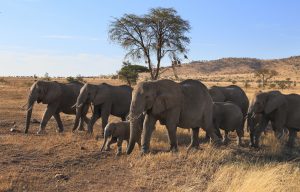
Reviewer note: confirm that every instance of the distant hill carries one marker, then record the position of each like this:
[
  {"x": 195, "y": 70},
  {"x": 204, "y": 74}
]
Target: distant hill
[{"x": 287, "y": 67}]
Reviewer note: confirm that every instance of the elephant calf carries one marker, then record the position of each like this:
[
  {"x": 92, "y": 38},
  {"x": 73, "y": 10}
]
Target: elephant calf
[
  {"x": 118, "y": 132},
  {"x": 229, "y": 117}
]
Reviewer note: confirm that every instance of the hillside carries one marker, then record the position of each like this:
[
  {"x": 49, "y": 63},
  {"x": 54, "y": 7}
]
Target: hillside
[{"x": 287, "y": 67}]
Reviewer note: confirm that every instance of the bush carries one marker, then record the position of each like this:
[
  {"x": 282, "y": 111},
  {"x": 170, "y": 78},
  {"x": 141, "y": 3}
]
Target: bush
[
  {"x": 130, "y": 73},
  {"x": 234, "y": 82},
  {"x": 78, "y": 78},
  {"x": 272, "y": 85},
  {"x": 247, "y": 84}
]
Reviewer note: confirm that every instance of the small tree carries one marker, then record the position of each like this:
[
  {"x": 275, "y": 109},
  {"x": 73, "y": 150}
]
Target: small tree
[
  {"x": 264, "y": 75},
  {"x": 47, "y": 77},
  {"x": 152, "y": 36},
  {"x": 130, "y": 73},
  {"x": 247, "y": 84}
]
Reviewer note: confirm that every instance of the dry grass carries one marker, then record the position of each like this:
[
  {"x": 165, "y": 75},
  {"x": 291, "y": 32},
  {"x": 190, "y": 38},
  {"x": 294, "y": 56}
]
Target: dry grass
[{"x": 30, "y": 162}]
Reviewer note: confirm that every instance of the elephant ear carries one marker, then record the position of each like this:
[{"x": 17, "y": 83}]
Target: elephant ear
[
  {"x": 274, "y": 101},
  {"x": 52, "y": 91},
  {"x": 162, "y": 103}
]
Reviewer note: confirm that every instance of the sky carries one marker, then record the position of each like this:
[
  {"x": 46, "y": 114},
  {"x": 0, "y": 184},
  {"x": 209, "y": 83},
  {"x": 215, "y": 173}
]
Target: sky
[{"x": 70, "y": 37}]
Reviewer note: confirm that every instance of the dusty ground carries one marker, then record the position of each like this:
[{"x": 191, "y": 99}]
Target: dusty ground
[{"x": 31, "y": 162}]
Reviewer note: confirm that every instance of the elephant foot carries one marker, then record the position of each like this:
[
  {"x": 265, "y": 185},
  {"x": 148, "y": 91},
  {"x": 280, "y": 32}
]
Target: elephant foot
[
  {"x": 41, "y": 132},
  {"x": 59, "y": 130},
  {"x": 253, "y": 145},
  {"x": 119, "y": 153},
  {"x": 107, "y": 149},
  {"x": 173, "y": 149},
  {"x": 226, "y": 141},
  {"x": 145, "y": 151},
  {"x": 217, "y": 143},
  {"x": 80, "y": 129}
]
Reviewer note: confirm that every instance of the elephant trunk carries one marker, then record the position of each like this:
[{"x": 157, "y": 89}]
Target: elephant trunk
[
  {"x": 78, "y": 115},
  {"x": 31, "y": 101},
  {"x": 136, "y": 111}
]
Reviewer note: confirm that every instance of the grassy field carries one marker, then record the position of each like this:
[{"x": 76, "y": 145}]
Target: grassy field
[{"x": 73, "y": 161}]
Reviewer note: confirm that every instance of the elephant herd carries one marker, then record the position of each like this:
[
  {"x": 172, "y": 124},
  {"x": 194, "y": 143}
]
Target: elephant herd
[{"x": 188, "y": 104}]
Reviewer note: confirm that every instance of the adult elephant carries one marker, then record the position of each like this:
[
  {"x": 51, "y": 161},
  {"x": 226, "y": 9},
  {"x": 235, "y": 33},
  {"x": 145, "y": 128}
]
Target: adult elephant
[
  {"x": 282, "y": 110},
  {"x": 106, "y": 99},
  {"x": 186, "y": 105},
  {"x": 59, "y": 98},
  {"x": 231, "y": 93}
]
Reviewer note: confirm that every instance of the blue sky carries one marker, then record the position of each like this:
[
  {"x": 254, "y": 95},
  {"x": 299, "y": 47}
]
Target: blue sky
[{"x": 69, "y": 37}]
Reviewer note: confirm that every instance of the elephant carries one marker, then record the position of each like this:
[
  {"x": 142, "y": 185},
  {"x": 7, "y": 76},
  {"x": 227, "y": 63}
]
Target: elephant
[
  {"x": 118, "y": 132},
  {"x": 231, "y": 93},
  {"x": 106, "y": 99},
  {"x": 283, "y": 111},
  {"x": 186, "y": 105},
  {"x": 229, "y": 117},
  {"x": 59, "y": 97}
]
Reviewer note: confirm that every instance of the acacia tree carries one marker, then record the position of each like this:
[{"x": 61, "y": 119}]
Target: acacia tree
[
  {"x": 151, "y": 36},
  {"x": 264, "y": 75}
]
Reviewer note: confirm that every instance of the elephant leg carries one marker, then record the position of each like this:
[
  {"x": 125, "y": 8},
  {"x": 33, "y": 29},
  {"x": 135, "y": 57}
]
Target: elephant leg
[
  {"x": 172, "y": 129},
  {"x": 123, "y": 118},
  {"x": 112, "y": 141},
  {"x": 119, "y": 144},
  {"x": 59, "y": 122},
  {"x": 93, "y": 120},
  {"x": 208, "y": 126},
  {"x": 104, "y": 118},
  {"x": 240, "y": 134},
  {"x": 226, "y": 139},
  {"x": 83, "y": 118},
  {"x": 292, "y": 136},
  {"x": 149, "y": 124},
  {"x": 47, "y": 115},
  {"x": 194, "y": 138}
]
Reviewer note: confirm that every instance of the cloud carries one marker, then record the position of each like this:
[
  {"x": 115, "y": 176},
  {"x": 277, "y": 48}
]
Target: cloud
[
  {"x": 23, "y": 63},
  {"x": 71, "y": 37}
]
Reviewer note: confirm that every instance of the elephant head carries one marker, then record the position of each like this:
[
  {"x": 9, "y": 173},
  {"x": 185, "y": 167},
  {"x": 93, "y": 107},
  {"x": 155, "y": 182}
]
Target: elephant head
[
  {"x": 149, "y": 97},
  {"x": 108, "y": 132},
  {"x": 41, "y": 91},
  {"x": 256, "y": 124},
  {"x": 89, "y": 93},
  {"x": 268, "y": 104}
]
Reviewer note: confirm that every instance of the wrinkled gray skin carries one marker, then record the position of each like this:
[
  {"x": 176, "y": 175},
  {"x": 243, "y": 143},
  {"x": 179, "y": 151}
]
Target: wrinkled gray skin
[
  {"x": 118, "y": 132},
  {"x": 186, "y": 105},
  {"x": 231, "y": 93},
  {"x": 282, "y": 110},
  {"x": 106, "y": 99},
  {"x": 59, "y": 97},
  {"x": 255, "y": 124},
  {"x": 229, "y": 117}
]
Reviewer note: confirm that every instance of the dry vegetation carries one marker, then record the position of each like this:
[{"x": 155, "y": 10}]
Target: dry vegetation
[{"x": 30, "y": 162}]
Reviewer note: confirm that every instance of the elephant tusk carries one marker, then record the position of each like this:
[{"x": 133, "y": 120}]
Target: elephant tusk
[{"x": 73, "y": 106}]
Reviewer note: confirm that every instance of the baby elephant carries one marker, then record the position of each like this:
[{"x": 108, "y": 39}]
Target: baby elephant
[
  {"x": 229, "y": 117},
  {"x": 118, "y": 132}
]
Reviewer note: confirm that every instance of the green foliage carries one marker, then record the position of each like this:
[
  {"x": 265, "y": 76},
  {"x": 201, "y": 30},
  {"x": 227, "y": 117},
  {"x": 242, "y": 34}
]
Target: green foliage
[
  {"x": 272, "y": 85},
  {"x": 130, "y": 73},
  {"x": 78, "y": 78},
  {"x": 264, "y": 75},
  {"x": 151, "y": 36},
  {"x": 47, "y": 77}
]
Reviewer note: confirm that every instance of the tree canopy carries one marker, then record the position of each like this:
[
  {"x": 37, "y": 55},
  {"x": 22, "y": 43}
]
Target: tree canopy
[
  {"x": 152, "y": 36},
  {"x": 130, "y": 73}
]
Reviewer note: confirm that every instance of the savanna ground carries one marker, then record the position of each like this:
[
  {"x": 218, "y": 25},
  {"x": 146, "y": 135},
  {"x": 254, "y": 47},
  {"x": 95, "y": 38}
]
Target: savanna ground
[{"x": 31, "y": 162}]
